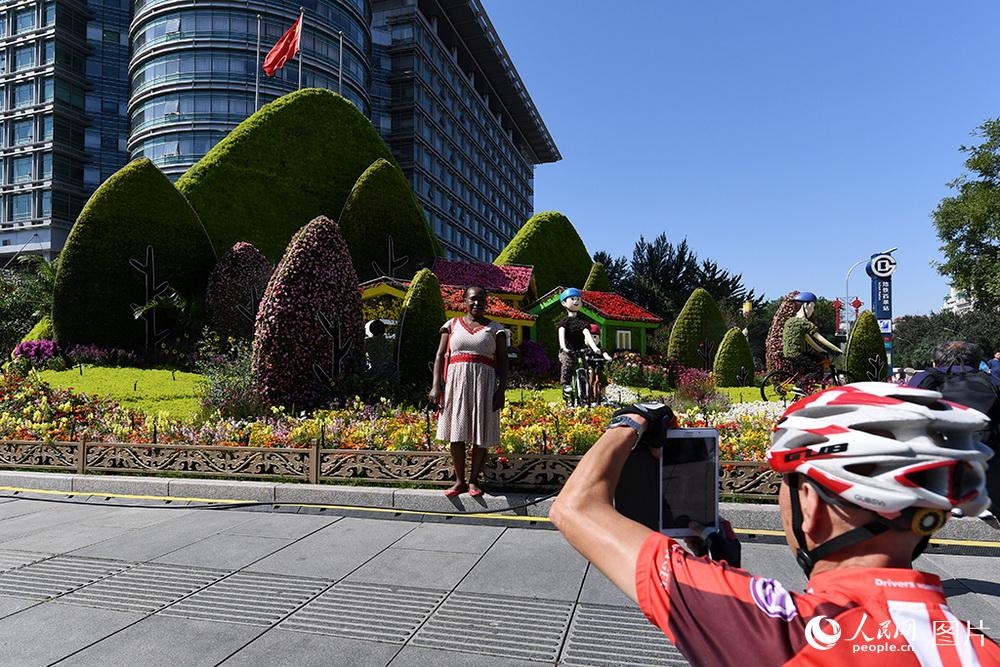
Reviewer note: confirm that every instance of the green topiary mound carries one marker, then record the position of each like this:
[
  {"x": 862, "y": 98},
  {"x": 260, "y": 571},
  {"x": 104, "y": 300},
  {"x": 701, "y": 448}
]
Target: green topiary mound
[
  {"x": 295, "y": 159},
  {"x": 135, "y": 238},
  {"x": 309, "y": 330},
  {"x": 384, "y": 226},
  {"x": 866, "y": 359},
  {"x": 734, "y": 361},
  {"x": 549, "y": 242},
  {"x": 597, "y": 281},
  {"x": 419, "y": 329},
  {"x": 699, "y": 323},
  {"x": 41, "y": 331},
  {"x": 235, "y": 288}
]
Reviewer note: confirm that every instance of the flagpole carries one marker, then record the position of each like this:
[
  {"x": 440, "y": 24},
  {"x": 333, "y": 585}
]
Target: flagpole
[
  {"x": 340, "y": 66},
  {"x": 302, "y": 14},
  {"x": 256, "y": 85}
]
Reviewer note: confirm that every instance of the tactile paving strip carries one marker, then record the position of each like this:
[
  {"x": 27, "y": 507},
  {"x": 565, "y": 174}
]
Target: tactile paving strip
[
  {"x": 11, "y": 559},
  {"x": 366, "y": 611},
  {"x": 605, "y": 636},
  {"x": 503, "y": 626},
  {"x": 144, "y": 588},
  {"x": 56, "y": 576},
  {"x": 248, "y": 598}
]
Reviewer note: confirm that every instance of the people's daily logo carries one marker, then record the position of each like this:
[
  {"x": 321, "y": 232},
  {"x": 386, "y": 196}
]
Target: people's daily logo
[{"x": 817, "y": 637}]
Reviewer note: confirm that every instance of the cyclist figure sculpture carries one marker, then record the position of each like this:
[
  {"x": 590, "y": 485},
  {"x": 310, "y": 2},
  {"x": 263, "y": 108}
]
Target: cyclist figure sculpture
[
  {"x": 803, "y": 345},
  {"x": 574, "y": 337}
]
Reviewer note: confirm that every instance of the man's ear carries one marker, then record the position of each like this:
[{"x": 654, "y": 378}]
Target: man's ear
[{"x": 813, "y": 516}]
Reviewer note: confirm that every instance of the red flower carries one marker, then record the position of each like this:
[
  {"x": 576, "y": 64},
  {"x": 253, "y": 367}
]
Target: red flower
[{"x": 616, "y": 307}]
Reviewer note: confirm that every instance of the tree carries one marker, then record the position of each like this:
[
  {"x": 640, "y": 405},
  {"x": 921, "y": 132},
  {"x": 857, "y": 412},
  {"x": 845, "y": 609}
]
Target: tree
[
  {"x": 916, "y": 336},
  {"x": 866, "y": 359},
  {"x": 384, "y": 226},
  {"x": 549, "y": 243},
  {"x": 968, "y": 223},
  {"x": 696, "y": 334},
  {"x": 136, "y": 239},
  {"x": 419, "y": 330},
  {"x": 295, "y": 159},
  {"x": 309, "y": 329},
  {"x": 597, "y": 281},
  {"x": 661, "y": 276},
  {"x": 734, "y": 365}
]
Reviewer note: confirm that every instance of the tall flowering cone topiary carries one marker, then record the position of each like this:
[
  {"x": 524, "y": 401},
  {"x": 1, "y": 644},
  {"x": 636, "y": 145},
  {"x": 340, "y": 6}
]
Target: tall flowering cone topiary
[
  {"x": 697, "y": 331},
  {"x": 549, "y": 242},
  {"x": 597, "y": 281},
  {"x": 774, "y": 348},
  {"x": 309, "y": 330},
  {"x": 419, "y": 324},
  {"x": 235, "y": 288}
]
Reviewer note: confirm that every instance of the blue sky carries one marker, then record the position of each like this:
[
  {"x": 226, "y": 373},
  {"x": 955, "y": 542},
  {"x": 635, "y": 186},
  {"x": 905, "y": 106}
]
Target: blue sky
[{"x": 785, "y": 140}]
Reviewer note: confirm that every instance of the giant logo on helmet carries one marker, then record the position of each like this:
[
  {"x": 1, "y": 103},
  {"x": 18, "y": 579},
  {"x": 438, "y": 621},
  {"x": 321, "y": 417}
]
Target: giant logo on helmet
[{"x": 790, "y": 459}]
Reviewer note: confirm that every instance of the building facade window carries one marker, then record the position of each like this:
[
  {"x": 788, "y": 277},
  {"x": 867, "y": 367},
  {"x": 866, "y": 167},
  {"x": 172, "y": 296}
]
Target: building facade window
[
  {"x": 24, "y": 20},
  {"x": 20, "y": 169},
  {"x": 623, "y": 340},
  {"x": 24, "y": 131},
  {"x": 20, "y": 207}
]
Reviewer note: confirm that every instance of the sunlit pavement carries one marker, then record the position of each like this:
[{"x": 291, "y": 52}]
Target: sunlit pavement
[{"x": 112, "y": 585}]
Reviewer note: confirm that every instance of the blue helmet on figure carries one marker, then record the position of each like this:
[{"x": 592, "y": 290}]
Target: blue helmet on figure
[
  {"x": 807, "y": 297},
  {"x": 568, "y": 292}
]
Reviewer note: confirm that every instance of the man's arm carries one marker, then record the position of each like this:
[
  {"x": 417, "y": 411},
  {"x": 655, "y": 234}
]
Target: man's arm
[{"x": 586, "y": 517}]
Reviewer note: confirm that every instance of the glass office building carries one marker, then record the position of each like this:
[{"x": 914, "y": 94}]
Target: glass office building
[
  {"x": 194, "y": 65},
  {"x": 62, "y": 115},
  {"x": 457, "y": 116}
]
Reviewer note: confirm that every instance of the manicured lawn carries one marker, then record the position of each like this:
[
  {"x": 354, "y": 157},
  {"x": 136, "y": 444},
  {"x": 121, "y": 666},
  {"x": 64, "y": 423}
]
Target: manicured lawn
[
  {"x": 150, "y": 391},
  {"x": 549, "y": 394}
]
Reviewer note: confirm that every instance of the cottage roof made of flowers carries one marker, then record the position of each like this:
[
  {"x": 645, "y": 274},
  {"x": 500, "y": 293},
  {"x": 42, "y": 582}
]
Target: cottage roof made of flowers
[
  {"x": 616, "y": 307},
  {"x": 454, "y": 300},
  {"x": 511, "y": 279}
]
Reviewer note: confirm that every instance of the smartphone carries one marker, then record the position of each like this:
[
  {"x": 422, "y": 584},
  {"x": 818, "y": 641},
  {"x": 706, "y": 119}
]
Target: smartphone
[{"x": 689, "y": 480}]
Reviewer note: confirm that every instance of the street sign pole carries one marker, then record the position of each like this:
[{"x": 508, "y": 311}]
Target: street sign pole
[{"x": 880, "y": 269}]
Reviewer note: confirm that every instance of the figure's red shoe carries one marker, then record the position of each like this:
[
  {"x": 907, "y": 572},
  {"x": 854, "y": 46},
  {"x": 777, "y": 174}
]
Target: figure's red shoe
[
  {"x": 457, "y": 490},
  {"x": 475, "y": 491}
]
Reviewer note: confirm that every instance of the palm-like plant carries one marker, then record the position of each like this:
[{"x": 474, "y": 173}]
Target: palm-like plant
[{"x": 43, "y": 274}]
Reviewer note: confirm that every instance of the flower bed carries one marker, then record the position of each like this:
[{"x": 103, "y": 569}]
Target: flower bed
[{"x": 32, "y": 410}]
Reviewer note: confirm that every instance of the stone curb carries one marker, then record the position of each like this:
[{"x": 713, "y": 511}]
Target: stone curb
[{"x": 744, "y": 516}]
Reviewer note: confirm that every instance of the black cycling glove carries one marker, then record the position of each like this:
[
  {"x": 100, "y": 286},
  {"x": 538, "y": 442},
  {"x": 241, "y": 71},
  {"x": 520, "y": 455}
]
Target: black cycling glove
[
  {"x": 659, "y": 418},
  {"x": 719, "y": 545}
]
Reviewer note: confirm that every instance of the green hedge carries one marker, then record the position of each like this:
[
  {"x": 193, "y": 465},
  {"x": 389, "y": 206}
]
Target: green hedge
[
  {"x": 597, "y": 280},
  {"x": 104, "y": 268},
  {"x": 549, "y": 243},
  {"x": 866, "y": 358},
  {"x": 699, "y": 321},
  {"x": 419, "y": 325},
  {"x": 384, "y": 226},
  {"x": 309, "y": 332},
  {"x": 41, "y": 331},
  {"x": 295, "y": 159},
  {"x": 734, "y": 361}
]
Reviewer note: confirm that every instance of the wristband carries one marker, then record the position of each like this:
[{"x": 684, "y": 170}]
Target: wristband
[{"x": 625, "y": 420}]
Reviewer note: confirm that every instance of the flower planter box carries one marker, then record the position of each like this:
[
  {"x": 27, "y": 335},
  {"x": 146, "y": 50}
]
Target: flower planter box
[{"x": 315, "y": 465}]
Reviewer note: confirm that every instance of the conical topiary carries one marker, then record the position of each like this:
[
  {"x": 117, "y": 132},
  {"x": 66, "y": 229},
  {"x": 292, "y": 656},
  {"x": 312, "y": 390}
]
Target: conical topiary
[
  {"x": 419, "y": 329},
  {"x": 866, "y": 358},
  {"x": 734, "y": 361},
  {"x": 309, "y": 330},
  {"x": 597, "y": 280},
  {"x": 384, "y": 226},
  {"x": 295, "y": 159},
  {"x": 235, "y": 288},
  {"x": 549, "y": 243},
  {"x": 697, "y": 331},
  {"x": 774, "y": 345},
  {"x": 136, "y": 239}
]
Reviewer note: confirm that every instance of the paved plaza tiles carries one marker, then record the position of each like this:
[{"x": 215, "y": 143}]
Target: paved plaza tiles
[{"x": 88, "y": 584}]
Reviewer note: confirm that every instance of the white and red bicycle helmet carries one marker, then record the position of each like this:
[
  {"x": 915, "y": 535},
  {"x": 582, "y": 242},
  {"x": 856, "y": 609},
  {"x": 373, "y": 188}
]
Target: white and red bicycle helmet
[
  {"x": 889, "y": 449},
  {"x": 886, "y": 448}
]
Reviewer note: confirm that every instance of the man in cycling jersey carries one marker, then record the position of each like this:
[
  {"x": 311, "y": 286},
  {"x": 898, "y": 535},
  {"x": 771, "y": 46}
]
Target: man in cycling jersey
[{"x": 869, "y": 472}]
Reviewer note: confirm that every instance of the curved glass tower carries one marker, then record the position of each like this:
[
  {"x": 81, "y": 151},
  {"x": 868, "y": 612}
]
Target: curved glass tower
[{"x": 194, "y": 64}]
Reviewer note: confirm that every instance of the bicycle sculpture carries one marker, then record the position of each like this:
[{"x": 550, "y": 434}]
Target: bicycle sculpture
[
  {"x": 575, "y": 337},
  {"x": 808, "y": 360}
]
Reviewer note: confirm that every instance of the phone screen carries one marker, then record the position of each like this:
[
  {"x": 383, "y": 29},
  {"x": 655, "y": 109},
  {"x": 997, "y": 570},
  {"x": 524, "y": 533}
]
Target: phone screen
[{"x": 689, "y": 480}]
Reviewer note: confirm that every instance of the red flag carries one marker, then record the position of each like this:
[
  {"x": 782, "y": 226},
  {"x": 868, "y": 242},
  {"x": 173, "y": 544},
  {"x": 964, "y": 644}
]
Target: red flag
[{"x": 284, "y": 50}]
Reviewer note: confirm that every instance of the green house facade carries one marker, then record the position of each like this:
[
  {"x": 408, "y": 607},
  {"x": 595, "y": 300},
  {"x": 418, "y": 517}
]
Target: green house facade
[{"x": 624, "y": 325}]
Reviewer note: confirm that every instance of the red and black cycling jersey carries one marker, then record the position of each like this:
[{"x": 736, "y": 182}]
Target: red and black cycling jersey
[{"x": 717, "y": 615}]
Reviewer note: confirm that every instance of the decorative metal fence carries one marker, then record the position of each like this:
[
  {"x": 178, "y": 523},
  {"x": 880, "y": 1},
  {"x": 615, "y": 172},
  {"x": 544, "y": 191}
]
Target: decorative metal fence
[{"x": 317, "y": 465}]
